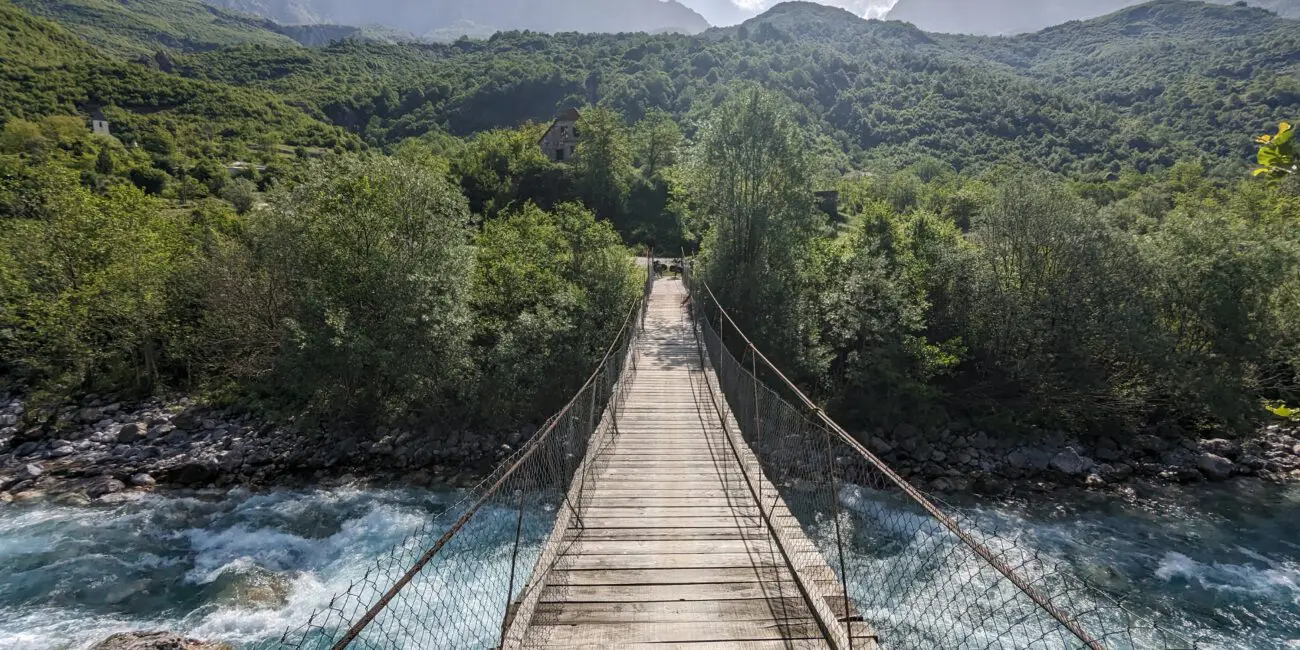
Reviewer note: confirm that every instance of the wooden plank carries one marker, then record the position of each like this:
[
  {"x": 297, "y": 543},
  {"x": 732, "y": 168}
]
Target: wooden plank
[
  {"x": 675, "y": 561},
  {"x": 634, "y": 534},
  {"x": 684, "y": 577},
  {"x": 791, "y": 644},
  {"x": 664, "y": 522},
  {"x": 622, "y": 633},
  {"x": 698, "y": 611},
  {"x": 599, "y": 510},
  {"x": 648, "y": 593},
  {"x": 648, "y": 547}
]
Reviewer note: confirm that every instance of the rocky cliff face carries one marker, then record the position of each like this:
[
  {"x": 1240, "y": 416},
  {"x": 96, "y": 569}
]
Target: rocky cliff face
[
  {"x": 1019, "y": 16},
  {"x": 438, "y": 16}
]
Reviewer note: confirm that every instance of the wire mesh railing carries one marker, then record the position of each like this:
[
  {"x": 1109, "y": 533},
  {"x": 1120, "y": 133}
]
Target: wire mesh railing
[
  {"x": 915, "y": 572},
  {"x": 454, "y": 582}
]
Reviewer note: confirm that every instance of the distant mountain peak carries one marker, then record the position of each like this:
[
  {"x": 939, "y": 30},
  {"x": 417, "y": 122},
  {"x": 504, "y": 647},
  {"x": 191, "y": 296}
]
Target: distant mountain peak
[{"x": 444, "y": 16}]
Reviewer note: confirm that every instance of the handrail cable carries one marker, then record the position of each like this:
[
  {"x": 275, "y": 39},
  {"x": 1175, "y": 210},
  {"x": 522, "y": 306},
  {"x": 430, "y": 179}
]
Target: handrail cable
[
  {"x": 529, "y": 449},
  {"x": 1061, "y": 616}
]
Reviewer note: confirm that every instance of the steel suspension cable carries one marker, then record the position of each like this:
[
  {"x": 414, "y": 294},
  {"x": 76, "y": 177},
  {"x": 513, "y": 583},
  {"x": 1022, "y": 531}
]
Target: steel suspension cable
[{"x": 1067, "y": 621}]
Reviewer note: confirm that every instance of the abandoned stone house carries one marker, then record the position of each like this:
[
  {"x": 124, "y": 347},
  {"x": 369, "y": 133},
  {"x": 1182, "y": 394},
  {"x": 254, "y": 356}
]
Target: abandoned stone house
[{"x": 561, "y": 140}]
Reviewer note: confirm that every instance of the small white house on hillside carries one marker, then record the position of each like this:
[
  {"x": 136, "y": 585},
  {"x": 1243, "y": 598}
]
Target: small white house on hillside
[{"x": 99, "y": 123}]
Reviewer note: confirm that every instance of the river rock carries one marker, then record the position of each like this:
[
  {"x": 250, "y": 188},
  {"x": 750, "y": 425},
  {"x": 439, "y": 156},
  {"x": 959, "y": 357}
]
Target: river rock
[
  {"x": 155, "y": 641},
  {"x": 187, "y": 419},
  {"x": 880, "y": 445},
  {"x": 160, "y": 430},
  {"x": 1018, "y": 460},
  {"x": 1106, "y": 449},
  {"x": 251, "y": 587},
  {"x": 195, "y": 472},
  {"x": 1215, "y": 467},
  {"x": 27, "y": 448},
  {"x": 62, "y": 450},
  {"x": 98, "y": 487},
  {"x": 1229, "y": 449},
  {"x": 131, "y": 432},
  {"x": 30, "y": 471},
  {"x": 1148, "y": 443},
  {"x": 1070, "y": 463},
  {"x": 143, "y": 480}
]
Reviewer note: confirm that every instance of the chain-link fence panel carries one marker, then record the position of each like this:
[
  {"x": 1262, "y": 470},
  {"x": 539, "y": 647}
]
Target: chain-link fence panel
[
  {"x": 909, "y": 570},
  {"x": 454, "y": 582}
]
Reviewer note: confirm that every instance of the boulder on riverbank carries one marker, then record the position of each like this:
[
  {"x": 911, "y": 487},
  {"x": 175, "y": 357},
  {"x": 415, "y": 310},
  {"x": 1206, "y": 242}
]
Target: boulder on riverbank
[
  {"x": 106, "y": 451},
  {"x": 156, "y": 641}
]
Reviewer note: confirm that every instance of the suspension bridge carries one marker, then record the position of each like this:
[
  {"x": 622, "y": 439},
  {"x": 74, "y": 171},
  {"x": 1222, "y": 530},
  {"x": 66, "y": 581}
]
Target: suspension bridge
[{"x": 691, "y": 496}]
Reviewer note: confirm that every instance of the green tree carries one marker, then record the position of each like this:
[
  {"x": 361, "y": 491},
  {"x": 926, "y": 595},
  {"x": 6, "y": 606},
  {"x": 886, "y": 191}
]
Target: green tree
[
  {"x": 603, "y": 164},
  {"x": 241, "y": 193},
  {"x": 92, "y": 289},
  {"x": 375, "y": 257},
  {"x": 501, "y": 167},
  {"x": 657, "y": 144},
  {"x": 104, "y": 161},
  {"x": 151, "y": 180},
  {"x": 751, "y": 181},
  {"x": 550, "y": 293}
]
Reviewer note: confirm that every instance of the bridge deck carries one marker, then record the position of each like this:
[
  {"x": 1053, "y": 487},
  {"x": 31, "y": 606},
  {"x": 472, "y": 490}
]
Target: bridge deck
[{"x": 668, "y": 546}]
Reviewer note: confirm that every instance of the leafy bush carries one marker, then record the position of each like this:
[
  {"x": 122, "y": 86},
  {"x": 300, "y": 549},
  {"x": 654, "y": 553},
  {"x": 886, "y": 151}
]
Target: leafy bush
[
  {"x": 241, "y": 193},
  {"x": 551, "y": 290},
  {"x": 374, "y": 256},
  {"x": 95, "y": 288}
]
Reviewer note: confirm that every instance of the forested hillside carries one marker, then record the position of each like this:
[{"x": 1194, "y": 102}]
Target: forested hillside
[
  {"x": 1051, "y": 230},
  {"x": 1021, "y": 16},
  {"x": 134, "y": 28}
]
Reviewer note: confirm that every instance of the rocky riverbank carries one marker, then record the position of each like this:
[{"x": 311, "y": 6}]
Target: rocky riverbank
[
  {"x": 104, "y": 450},
  {"x": 957, "y": 459}
]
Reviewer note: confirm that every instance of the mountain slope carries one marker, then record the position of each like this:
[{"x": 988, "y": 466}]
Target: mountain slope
[
  {"x": 1021, "y": 16},
  {"x": 873, "y": 91},
  {"x": 438, "y": 16},
  {"x": 1215, "y": 74},
  {"x": 48, "y": 71},
  {"x": 134, "y": 27}
]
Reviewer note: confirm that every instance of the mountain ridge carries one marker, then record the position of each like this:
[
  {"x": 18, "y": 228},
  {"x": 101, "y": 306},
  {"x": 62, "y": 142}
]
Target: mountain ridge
[
  {"x": 1005, "y": 17},
  {"x": 441, "y": 20}
]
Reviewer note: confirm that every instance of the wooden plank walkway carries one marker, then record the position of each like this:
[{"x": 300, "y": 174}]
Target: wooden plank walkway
[{"x": 669, "y": 546}]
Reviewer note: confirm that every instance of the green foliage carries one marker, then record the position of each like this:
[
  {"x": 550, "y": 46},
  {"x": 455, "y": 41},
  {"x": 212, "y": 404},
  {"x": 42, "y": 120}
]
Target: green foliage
[
  {"x": 1277, "y": 153},
  {"x": 152, "y": 181},
  {"x": 603, "y": 165},
  {"x": 750, "y": 180},
  {"x": 1053, "y": 312},
  {"x": 550, "y": 291},
  {"x": 241, "y": 194},
  {"x": 499, "y": 167},
  {"x": 657, "y": 143},
  {"x": 143, "y": 28},
  {"x": 375, "y": 259},
  {"x": 94, "y": 288}
]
